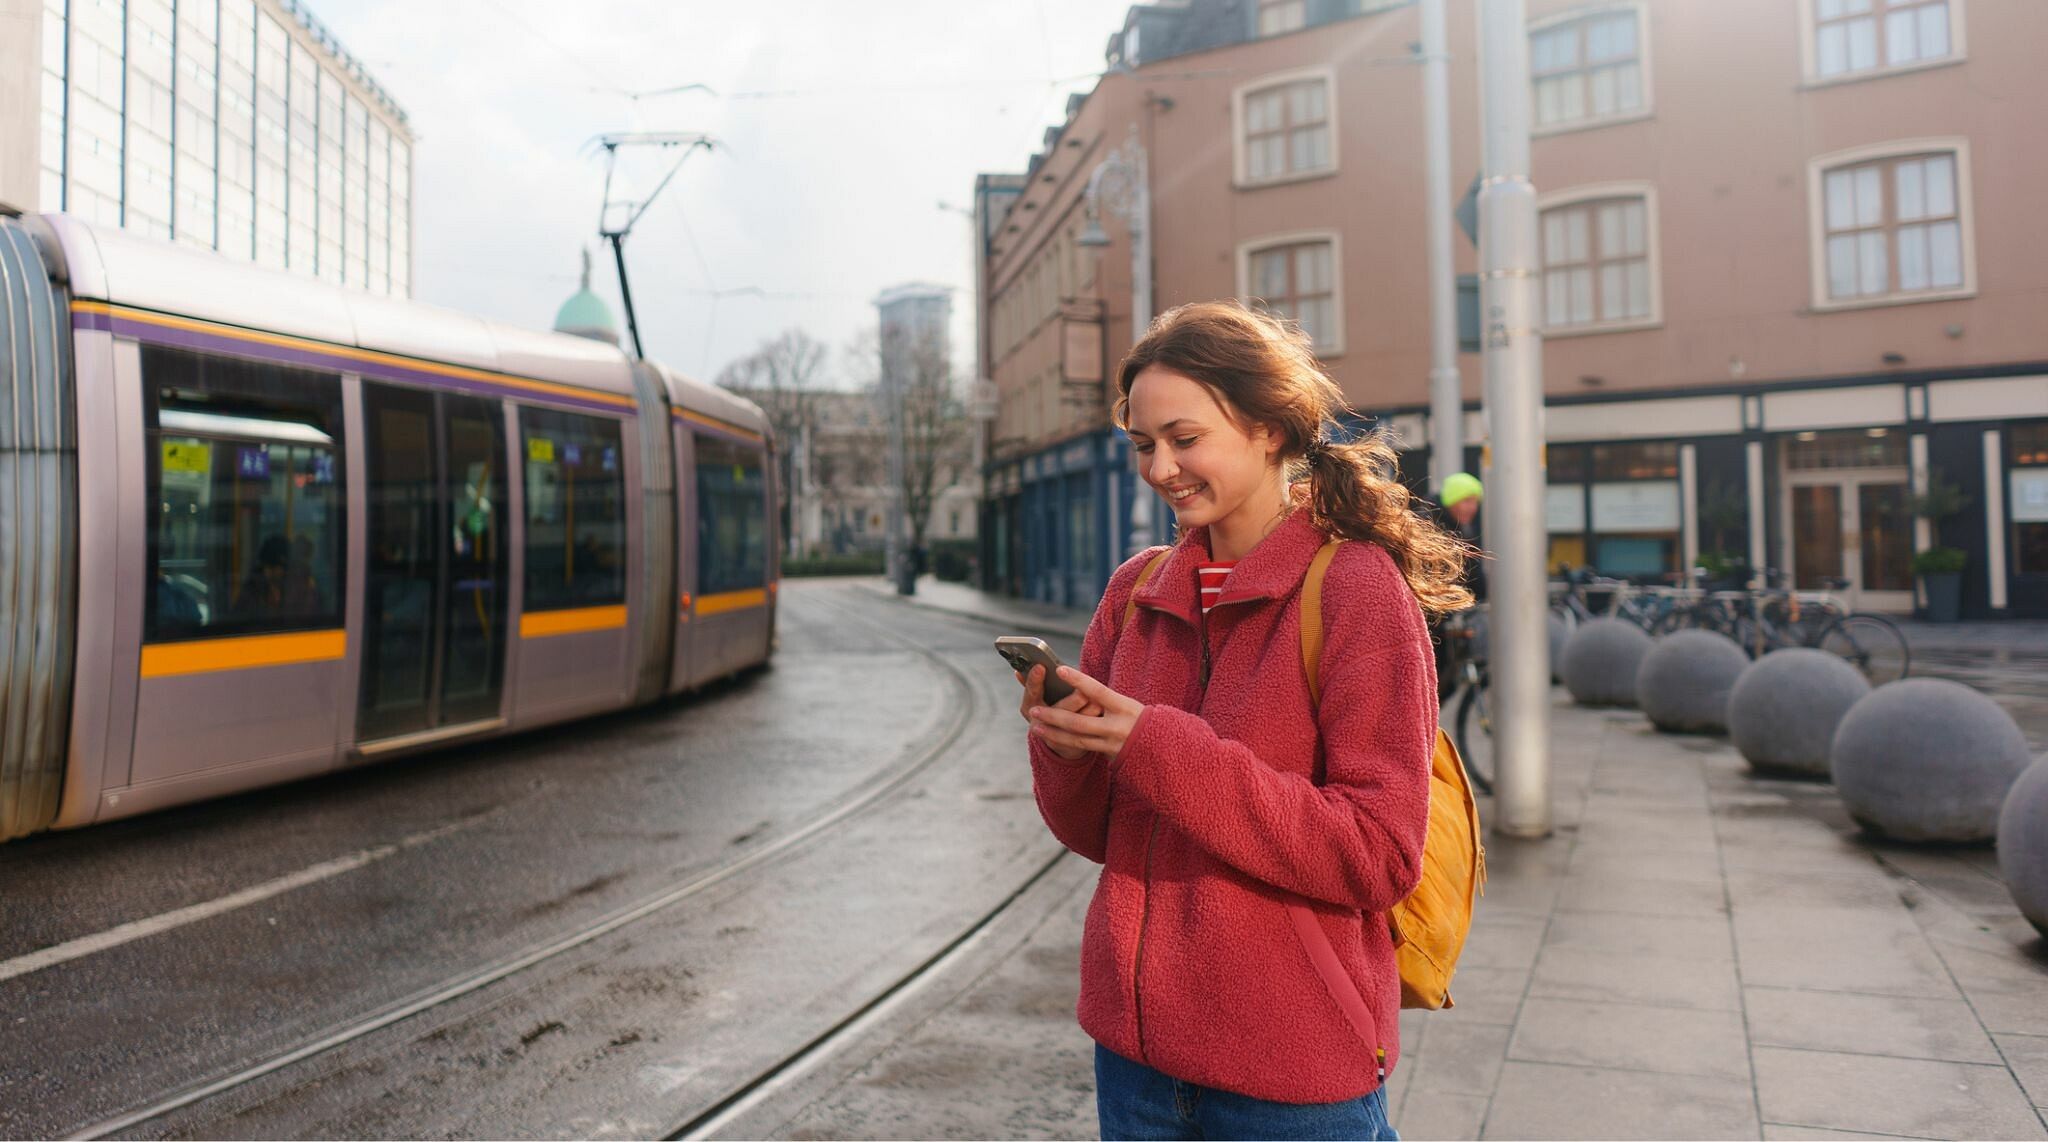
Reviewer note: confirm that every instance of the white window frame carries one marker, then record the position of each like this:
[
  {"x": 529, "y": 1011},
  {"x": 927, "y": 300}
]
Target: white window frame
[
  {"x": 1653, "y": 253},
  {"x": 1809, "y": 50},
  {"x": 1240, "y": 157},
  {"x": 1332, "y": 345},
  {"x": 1817, "y": 229},
  {"x": 1644, "y": 61},
  {"x": 1259, "y": 8}
]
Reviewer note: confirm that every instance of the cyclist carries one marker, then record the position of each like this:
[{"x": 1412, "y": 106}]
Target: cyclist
[{"x": 1456, "y": 511}]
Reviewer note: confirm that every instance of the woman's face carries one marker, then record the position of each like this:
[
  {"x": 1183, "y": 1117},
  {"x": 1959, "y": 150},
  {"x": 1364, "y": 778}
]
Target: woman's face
[{"x": 1198, "y": 457}]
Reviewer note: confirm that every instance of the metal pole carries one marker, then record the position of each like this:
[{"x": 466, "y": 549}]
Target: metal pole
[
  {"x": 1143, "y": 509},
  {"x": 1446, "y": 397},
  {"x": 1514, "y": 415},
  {"x": 896, "y": 558},
  {"x": 618, "y": 238}
]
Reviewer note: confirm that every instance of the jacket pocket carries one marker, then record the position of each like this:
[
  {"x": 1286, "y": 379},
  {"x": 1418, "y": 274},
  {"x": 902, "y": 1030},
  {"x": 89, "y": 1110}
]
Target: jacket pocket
[{"x": 1322, "y": 955}]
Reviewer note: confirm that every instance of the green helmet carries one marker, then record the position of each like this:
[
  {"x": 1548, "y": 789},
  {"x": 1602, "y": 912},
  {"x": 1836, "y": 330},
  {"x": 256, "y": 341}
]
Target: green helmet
[{"x": 1459, "y": 487}]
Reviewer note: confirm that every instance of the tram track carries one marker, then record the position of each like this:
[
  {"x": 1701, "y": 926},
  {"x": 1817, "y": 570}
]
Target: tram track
[{"x": 962, "y": 703}]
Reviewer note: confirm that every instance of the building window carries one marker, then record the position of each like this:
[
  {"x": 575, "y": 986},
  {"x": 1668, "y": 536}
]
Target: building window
[
  {"x": 1636, "y": 514},
  {"x": 247, "y": 531},
  {"x": 1588, "y": 69},
  {"x": 1297, "y": 279},
  {"x": 2027, "y": 499},
  {"x": 1855, "y": 36},
  {"x": 1597, "y": 270},
  {"x": 575, "y": 511},
  {"x": 1908, "y": 240},
  {"x": 1280, "y": 16},
  {"x": 1859, "y": 448},
  {"x": 1893, "y": 227},
  {"x": 1286, "y": 130}
]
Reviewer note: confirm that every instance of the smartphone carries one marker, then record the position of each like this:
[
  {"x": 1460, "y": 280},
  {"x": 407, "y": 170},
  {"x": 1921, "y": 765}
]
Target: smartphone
[{"x": 1023, "y": 653}]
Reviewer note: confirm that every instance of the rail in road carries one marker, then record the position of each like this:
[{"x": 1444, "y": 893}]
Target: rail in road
[{"x": 257, "y": 1093}]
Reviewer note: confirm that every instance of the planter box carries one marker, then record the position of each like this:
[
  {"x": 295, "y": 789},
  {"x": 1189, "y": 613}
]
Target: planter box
[{"x": 1944, "y": 596}]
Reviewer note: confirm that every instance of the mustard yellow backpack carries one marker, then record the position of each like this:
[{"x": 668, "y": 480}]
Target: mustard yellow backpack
[{"x": 1428, "y": 927}]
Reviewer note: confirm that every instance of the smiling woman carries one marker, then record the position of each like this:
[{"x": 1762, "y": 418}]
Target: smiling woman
[{"x": 1215, "y": 766}]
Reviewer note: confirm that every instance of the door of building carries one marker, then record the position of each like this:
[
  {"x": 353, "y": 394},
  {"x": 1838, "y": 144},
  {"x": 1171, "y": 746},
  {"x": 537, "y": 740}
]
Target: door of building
[
  {"x": 1851, "y": 524},
  {"x": 434, "y": 599}
]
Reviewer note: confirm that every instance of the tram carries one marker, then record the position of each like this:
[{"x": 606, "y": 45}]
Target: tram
[{"x": 255, "y": 527}]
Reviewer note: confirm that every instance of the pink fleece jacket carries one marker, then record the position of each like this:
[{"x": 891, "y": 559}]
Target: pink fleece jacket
[{"x": 1208, "y": 822}]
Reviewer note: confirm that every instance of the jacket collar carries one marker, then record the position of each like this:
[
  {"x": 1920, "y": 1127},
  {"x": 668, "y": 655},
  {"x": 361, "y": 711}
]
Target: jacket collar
[{"x": 1271, "y": 570}]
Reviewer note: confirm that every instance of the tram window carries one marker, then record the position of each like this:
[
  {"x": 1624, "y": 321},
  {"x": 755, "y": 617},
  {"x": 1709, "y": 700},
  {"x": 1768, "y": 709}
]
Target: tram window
[
  {"x": 575, "y": 510},
  {"x": 732, "y": 516},
  {"x": 247, "y": 531}
]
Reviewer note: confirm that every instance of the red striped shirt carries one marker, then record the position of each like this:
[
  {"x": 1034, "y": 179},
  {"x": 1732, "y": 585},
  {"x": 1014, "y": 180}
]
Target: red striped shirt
[{"x": 1211, "y": 577}]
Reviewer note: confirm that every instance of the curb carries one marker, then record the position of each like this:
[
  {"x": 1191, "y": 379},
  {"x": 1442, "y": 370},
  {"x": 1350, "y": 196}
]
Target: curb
[{"x": 1046, "y": 624}]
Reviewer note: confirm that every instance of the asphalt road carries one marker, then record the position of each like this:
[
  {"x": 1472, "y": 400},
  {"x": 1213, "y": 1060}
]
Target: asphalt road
[{"x": 431, "y": 869}]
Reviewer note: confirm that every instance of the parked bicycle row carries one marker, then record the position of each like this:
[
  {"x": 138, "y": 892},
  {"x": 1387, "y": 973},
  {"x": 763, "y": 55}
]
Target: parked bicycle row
[{"x": 1759, "y": 619}]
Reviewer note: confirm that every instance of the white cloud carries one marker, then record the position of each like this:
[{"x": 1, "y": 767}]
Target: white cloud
[{"x": 845, "y": 124}]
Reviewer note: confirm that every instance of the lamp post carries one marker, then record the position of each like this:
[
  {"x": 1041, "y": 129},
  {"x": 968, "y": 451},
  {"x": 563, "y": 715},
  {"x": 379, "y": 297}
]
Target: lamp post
[
  {"x": 1514, "y": 419},
  {"x": 1121, "y": 184}
]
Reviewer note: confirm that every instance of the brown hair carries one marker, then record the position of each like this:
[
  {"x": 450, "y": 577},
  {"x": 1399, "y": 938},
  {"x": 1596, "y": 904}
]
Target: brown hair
[{"x": 1264, "y": 372}]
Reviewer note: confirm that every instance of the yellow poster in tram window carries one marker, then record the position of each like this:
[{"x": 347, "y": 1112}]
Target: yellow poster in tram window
[
  {"x": 540, "y": 450},
  {"x": 194, "y": 456}
]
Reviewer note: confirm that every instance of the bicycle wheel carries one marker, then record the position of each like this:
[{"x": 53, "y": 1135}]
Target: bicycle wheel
[
  {"x": 1474, "y": 734},
  {"x": 1871, "y": 644}
]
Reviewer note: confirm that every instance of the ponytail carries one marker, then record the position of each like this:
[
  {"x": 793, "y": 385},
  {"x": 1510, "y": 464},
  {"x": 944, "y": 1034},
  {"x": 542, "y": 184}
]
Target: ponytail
[{"x": 1353, "y": 493}]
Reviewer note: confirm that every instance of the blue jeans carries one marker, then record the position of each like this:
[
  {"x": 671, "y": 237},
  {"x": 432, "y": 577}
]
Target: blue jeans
[{"x": 1136, "y": 1102}]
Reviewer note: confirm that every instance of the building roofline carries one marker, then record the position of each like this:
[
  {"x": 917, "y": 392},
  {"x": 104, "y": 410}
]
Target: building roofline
[{"x": 351, "y": 67}]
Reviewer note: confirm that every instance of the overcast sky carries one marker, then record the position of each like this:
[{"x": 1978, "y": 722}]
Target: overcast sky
[{"x": 845, "y": 123}]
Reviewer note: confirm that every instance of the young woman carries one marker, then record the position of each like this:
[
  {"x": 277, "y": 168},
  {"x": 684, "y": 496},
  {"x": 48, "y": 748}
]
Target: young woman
[{"x": 1193, "y": 765}]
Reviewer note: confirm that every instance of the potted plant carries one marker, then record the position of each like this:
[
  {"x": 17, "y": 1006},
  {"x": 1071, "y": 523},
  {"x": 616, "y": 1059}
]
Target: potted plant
[
  {"x": 1941, "y": 577},
  {"x": 1940, "y": 568},
  {"x": 1725, "y": 571}
]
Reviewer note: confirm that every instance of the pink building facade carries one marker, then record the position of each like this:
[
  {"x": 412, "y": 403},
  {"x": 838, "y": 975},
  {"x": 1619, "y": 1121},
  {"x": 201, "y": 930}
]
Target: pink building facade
[{"x": 1792, "y": 278}]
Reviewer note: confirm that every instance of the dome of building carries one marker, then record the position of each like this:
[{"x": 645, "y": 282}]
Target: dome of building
[{"x": 585, "y": 314}]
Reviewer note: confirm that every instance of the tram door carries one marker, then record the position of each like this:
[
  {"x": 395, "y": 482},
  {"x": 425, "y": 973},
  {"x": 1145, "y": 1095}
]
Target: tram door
[{"x": 434, "y": 613}]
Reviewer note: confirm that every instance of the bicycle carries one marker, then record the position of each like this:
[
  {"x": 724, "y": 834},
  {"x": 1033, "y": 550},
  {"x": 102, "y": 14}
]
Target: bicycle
[
  {"x": 1761, "y": 620},
  {"x": 1472, "y": 725},
  {"x": 1643, "y": 606}
]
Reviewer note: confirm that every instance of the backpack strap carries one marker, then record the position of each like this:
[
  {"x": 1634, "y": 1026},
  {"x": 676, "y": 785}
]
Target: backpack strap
[
  {"x": 1312, "y": 620},
  {"x": 1131, "y": 604}
]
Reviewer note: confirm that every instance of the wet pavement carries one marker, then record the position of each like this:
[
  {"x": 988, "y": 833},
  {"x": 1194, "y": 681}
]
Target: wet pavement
[
  {"x": 473, "y": 859},
  {"x": 818, "y": 902}
]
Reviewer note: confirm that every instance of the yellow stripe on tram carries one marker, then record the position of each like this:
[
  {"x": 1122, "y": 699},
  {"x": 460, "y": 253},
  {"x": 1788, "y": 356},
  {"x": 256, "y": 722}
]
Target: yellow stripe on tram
[
  {"x": 547, "y": 624},
  {"x": 165, "y": 660},
  {"x": 732, "y": 601}
]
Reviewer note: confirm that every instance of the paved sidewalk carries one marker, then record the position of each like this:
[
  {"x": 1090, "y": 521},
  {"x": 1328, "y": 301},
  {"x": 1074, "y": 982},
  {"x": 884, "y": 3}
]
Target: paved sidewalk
[
  {"x": 985, "y": 606},
  {"x": 1695, "y": 953}
]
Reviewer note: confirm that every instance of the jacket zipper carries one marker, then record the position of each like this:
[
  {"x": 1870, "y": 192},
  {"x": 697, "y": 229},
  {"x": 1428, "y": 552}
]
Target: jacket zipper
[
  {"x": 1145, "y": 911},
  {"x": 1144, "y": 921}
]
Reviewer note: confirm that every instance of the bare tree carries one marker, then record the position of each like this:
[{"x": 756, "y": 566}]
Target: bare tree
[
  {"x": 935, "y": 437},
  {"x": 782, "y": 376}
]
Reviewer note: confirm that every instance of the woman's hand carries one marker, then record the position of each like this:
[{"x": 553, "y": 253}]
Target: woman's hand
[
  {"x": 1075, "y": 703},
  {"x": 1072, "y": 734}
]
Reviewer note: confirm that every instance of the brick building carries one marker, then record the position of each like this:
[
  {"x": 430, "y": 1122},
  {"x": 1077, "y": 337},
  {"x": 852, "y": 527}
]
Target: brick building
[{"x": 1791, "y": 274}]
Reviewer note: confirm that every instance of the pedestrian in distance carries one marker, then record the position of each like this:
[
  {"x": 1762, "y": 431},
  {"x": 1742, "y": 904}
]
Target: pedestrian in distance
[
  {"x": 1238, "y": 974},
  {"x": 1457, "y": 511}
]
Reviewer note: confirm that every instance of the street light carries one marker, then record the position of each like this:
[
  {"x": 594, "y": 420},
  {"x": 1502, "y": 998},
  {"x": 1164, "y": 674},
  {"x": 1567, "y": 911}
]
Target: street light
[{"x": 1121, "y": 184}]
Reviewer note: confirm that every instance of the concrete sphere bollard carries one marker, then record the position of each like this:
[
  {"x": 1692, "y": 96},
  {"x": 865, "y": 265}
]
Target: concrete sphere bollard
[
  {"x": 2023, "y": 844},
  {"x": 1786, "y": 705},
  {"x": 1683, "y": 682},
  {"x": 1926, "y": 759},
  {"x": 1600, "y": 662}
]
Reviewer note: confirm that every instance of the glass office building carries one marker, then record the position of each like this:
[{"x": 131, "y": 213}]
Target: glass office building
[{"x": 237, "y": 125}]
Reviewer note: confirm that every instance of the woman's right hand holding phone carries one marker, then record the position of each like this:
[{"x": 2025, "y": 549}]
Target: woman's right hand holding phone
[{"x": 1034, "y": 697}]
